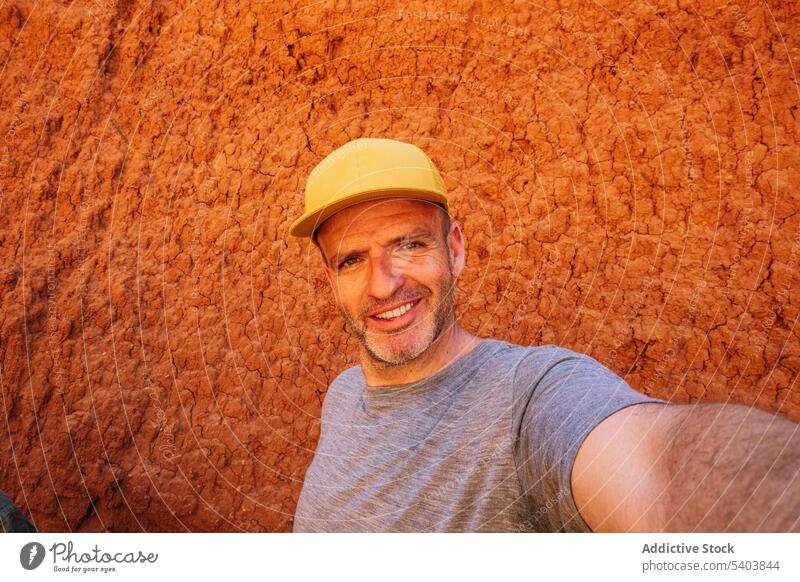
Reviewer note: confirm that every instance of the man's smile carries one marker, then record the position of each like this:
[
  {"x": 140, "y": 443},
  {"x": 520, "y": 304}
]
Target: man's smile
[{"x": 399, "y": 315}]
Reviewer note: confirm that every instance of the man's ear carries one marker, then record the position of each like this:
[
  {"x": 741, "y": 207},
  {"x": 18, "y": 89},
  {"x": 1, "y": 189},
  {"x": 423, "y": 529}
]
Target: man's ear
[{"x": 455, "y": 243}]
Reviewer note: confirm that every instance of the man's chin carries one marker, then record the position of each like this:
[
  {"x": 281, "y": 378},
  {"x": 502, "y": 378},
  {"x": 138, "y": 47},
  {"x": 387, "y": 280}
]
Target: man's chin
[{"x": 387, "y": 351}]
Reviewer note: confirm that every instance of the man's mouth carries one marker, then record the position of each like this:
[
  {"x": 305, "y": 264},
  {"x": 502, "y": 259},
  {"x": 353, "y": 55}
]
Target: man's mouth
[{"x": 396, "y": 312}]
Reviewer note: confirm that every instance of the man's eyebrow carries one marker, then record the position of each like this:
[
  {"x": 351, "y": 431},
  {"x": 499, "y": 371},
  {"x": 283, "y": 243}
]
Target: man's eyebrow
[{"x": 416, "y": 233}]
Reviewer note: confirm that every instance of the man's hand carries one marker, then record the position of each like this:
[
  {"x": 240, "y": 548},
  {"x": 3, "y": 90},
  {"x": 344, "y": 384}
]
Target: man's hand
[{"x": 704, "y": 467}]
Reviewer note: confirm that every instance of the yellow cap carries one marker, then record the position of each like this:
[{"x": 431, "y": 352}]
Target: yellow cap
[{"x": 367, "y": 169}]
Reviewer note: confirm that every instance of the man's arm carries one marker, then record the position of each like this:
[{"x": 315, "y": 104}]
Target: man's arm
[{"x": 704, "y": 467}]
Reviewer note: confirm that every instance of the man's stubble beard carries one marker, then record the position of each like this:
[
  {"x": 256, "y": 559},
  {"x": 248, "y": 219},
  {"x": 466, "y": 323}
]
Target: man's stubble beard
[{"x": 444, "y": 312}]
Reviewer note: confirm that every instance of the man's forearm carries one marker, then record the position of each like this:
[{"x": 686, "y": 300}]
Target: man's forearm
[{"x": 730, "y": 468}]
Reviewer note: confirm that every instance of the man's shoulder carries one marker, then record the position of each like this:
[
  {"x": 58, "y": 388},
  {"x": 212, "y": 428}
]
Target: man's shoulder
[
  {"x": 351, "y": 374},
  {"x": 529, "y": 364},
  {"x": 535, "y": 355},
  {"x": 341, "y": 391},
  {"x": 347, "y": 378}
]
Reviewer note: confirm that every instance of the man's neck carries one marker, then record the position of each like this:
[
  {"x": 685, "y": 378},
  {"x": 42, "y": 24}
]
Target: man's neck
[{"x": 453, "y": 344}]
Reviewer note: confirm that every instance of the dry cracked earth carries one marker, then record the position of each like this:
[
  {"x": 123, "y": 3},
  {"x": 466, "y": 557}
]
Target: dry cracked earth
[{"x": 625, "y": 172}]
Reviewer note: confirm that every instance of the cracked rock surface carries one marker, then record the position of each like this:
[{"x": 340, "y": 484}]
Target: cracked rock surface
[{"x": 626, "y": 176}]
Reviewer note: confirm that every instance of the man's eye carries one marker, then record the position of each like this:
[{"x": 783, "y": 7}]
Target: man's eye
[
  {"x": 346, "y": 262},
  {"x": 412, "y": 244}
]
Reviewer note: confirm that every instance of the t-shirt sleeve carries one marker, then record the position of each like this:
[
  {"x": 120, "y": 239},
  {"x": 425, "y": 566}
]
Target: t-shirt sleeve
[{"x": 559, "y": 397}]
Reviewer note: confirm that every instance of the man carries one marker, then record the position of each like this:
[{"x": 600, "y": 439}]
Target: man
[{"x": 440, "y": 430}]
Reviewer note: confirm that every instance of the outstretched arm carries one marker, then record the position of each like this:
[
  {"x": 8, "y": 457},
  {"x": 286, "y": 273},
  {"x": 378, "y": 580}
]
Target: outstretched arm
[{"x": 704, "y": 467}]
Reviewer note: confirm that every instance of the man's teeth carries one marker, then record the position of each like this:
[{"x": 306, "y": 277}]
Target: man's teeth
[{"x": 397, "y": 312}]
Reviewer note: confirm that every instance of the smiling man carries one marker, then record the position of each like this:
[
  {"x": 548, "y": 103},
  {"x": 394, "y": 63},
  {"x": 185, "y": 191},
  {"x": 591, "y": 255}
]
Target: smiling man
[
  {"x": 403, "y": 315},
  {"x": 440, "y": 430}
]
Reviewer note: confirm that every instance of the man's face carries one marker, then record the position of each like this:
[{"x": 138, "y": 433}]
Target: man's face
[{"x": 393, "y": 275}]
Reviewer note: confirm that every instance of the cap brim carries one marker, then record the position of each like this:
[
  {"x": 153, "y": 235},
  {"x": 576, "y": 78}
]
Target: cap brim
[{"x": 309, "y": 222}]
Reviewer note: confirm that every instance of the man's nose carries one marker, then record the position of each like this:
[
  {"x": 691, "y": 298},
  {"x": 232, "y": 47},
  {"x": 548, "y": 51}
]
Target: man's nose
[{"x": 385, "y": 277}]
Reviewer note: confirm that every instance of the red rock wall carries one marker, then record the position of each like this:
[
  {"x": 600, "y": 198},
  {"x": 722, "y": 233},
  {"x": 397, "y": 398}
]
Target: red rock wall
[{"x": 626, "y": 175}]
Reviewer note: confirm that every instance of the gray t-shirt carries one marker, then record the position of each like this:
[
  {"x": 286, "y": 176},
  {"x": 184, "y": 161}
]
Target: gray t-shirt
[{"x": 484, "y": 444}]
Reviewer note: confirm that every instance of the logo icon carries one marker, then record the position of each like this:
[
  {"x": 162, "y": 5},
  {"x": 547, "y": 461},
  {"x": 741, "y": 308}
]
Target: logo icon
[{"x": 31, "y": 555}]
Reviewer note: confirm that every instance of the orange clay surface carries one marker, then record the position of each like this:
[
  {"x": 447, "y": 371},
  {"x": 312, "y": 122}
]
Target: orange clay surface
[{"x": 626, "y": 174}]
